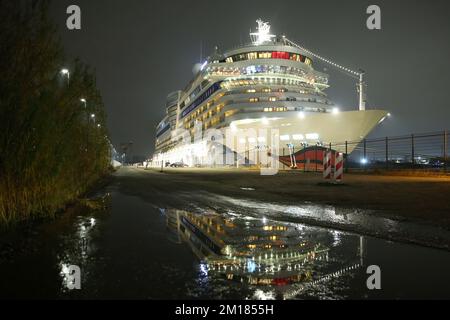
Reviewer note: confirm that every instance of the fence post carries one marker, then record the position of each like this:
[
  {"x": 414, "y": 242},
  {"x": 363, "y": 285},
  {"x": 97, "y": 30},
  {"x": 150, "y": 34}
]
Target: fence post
[
  {"x": 365, "y": 154},
  {"x": 316, "y": 156},
  {"x": 346, "y": 156},
  {"x": 445, "y": 149},
  {"x": 412, "y": 150},
  {"x": 304, "y": 158},
  {"x": 387, "y": 153}
]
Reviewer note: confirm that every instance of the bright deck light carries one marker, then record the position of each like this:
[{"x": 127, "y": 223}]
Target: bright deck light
[{"x": 263, "y": 33}]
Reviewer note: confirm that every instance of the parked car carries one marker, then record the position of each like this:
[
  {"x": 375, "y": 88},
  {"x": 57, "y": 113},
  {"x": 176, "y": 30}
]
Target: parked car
[{"x": 178, "y": 165}]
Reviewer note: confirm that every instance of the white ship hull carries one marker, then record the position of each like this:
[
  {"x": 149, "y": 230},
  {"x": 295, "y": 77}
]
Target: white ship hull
[{"x": 319, "y": 128}]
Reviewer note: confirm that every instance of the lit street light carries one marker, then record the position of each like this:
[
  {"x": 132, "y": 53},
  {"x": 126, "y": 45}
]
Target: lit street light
[
  {"x": 84, "y": 101},
  {"x": 66, "y": 72}
]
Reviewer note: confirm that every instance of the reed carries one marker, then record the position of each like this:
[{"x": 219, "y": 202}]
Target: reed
[{"x": 51, "y": 152}]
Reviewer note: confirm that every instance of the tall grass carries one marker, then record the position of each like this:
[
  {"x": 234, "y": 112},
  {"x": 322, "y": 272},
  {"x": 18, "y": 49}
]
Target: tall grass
[{"x": 50, "y": 150}]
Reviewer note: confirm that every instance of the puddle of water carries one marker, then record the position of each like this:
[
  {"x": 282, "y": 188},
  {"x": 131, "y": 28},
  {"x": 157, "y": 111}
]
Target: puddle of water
[
  {"x": 136, "y": 250},
  {"x": 347, "y": 219}
]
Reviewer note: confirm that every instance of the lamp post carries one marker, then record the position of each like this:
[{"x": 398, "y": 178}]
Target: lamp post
[
  {"x": 83, "y": 100},
  {"x": 66, "y": 72}
]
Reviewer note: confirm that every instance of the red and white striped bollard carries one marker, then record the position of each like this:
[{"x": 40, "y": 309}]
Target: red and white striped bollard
[{"x": 339, "y": 167}]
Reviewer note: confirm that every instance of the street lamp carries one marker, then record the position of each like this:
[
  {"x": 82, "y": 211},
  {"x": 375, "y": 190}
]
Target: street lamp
[
  {"x": 66, "y": 72},
  {"x": 83, "y": 101}
]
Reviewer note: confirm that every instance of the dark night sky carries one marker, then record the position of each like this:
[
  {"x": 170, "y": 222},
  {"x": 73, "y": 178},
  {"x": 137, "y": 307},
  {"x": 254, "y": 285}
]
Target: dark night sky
[{"x": 142, "y": 50}]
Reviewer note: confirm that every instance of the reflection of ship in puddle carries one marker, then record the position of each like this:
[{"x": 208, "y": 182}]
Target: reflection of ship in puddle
[{"x": 252, "y": 251}]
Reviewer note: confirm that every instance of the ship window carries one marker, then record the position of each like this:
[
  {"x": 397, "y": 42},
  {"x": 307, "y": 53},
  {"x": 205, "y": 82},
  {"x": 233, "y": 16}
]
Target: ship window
[
  {"x": 280, "y": 55},
  {"x": 254, "y": 99},
  {"x": 264, "y": 55},
  {"x": 252, "y": 55},
  {"x": 272, "y": 99}
]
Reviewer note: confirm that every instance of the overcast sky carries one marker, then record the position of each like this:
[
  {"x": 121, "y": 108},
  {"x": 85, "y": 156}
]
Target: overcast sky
[{"x": 143, "y": 49}]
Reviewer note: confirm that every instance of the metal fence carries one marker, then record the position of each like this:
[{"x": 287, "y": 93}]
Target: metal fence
[
  {"x": 415, "y": 151},
  {"x": 427, "y": 151}
]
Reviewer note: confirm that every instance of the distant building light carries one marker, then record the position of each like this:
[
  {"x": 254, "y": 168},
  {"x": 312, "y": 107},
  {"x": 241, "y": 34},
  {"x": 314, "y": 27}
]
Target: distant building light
[{"x": 363, "y": 161}]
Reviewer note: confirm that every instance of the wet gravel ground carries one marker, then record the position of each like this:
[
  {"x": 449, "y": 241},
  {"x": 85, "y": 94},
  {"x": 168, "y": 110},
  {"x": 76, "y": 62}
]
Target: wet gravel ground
[
  {"x": 422, "y": 198},
  {"x": 125, "y": 249},
  {"x": 408, "y": 209}
]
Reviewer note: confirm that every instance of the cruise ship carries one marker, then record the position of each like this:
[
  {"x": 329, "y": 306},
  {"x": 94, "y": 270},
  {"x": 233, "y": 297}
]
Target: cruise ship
[{"x": 268, "y": 98}]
